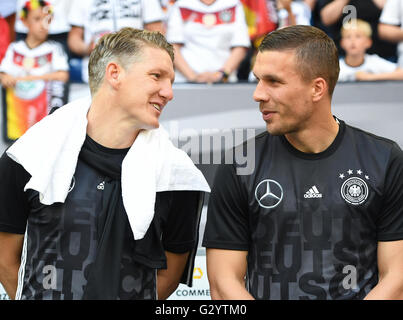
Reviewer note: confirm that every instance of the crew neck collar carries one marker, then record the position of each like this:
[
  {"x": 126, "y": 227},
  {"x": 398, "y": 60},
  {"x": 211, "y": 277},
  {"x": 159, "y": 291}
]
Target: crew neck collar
[
  {"x": 104, "y": 149},
  {"x": 323, "y": 154}
]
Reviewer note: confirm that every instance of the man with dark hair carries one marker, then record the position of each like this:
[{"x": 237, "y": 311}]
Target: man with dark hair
[
  {"x": 321, "y": 217},
  {"x": 315, "y": 53},
  {"x": 95, "y": 201}
]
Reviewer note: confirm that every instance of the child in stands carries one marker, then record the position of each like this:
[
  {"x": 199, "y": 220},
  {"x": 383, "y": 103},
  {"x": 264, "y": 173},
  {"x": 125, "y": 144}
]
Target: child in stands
[{"x": 357, "y": 65}]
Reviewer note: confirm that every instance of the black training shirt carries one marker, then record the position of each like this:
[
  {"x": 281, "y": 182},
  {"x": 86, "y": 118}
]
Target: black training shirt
[
  {"x": 310, "y": 222},
  {"x": 62, "y": 239}
]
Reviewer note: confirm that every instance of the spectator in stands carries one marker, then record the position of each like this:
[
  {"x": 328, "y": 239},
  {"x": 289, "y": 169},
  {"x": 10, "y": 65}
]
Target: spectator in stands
[
  {"x": 166, "y": 7},
  {"x": 58, "y": 29},
  {"x": 391, "y": 25},
  {"x": 357, "y": 65},
  {"x": 210, "y": 38},
  {"x": 91, "y": 19},
  {"x": 336, "y": 12},
  {"x": 34, "y": 58},
  {"x": 292, "y": 12}
]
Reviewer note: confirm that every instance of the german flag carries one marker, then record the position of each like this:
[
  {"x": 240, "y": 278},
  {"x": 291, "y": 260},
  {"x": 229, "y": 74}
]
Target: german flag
[{"x": 258, "y": 18}]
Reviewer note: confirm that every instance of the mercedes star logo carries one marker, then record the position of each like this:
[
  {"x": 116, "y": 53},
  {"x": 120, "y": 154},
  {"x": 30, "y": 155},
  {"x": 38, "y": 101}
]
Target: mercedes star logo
[{"x": 269, "y": 194}]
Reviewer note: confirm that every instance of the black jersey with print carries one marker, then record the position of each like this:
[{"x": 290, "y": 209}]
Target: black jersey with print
[
  {"x": 310, "y": 222},
  {"x": 62, "y": 239}
]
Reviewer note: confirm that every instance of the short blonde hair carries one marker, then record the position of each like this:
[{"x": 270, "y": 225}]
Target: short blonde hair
[
  {"x": 357, "y": 24},
  {"x": 125, "y": 47}
]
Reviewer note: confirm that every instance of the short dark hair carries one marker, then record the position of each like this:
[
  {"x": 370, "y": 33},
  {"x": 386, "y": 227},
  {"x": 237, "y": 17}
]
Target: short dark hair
[{"x": 316, "y": 54}]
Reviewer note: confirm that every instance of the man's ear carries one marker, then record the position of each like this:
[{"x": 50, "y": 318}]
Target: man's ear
[
  {"x": 319, "y": 89},
  {"x": 113, "y": 74}
]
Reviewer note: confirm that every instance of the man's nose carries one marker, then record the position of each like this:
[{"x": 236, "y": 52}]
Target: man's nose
[
  {"x": 260, "y": 94},
  {"x": 166, "y": 91}
]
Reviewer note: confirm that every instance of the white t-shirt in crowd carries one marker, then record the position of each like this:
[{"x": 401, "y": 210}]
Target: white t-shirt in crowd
[
  {"x": 207, "y": 32},
  {"x": 301, "y": 11},
  {"x": 392, "y": 13},
  {"x": 20, "y": 61},
  {"x": 372, "y": 63},
  {"x": 99, "y": 17},
  {"x": 59, "y": 22}
]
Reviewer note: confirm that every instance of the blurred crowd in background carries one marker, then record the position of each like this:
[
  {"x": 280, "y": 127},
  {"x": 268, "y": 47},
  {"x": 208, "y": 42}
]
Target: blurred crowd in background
[{"x": 214, "y": 40}]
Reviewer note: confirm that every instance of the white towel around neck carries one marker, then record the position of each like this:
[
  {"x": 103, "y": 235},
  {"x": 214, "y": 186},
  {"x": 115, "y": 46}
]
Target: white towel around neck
[{"x": 49, "y": 151}]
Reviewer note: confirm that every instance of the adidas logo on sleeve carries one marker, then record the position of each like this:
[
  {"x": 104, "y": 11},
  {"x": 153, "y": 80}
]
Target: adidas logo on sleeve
[{"x": 313, "y": 192}]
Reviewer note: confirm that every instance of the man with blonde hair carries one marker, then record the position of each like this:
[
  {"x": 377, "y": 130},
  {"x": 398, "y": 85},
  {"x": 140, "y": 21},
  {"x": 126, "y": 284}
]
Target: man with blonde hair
[{"x": 107, "y": 204}]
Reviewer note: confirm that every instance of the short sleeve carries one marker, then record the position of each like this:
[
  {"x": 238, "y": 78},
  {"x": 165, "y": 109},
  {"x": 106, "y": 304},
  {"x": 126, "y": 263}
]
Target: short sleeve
[
  {"x": 175, "y": 31},
  {"x": 13, "y": 202},
  {"x": 227, "y": 225},
  {"x": 241, "y": 35},
  {"x": 304, "y": 13},
  {"x": 180, "y": 230},
  {"x": 391, "y": 13},
  {"x": 59, "y": 60},
  {"x": 390, "y": 220},
  {"x": 78, "y": 13},
  {"x": 152, "y": 11},
  {"x": 7, "y": 62}
]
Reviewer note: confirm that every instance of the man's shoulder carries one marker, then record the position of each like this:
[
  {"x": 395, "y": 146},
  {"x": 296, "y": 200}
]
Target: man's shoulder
[
  {"x": 244, "y": 155},
  {"x": 9, "y": 165},
  {"x": 259, "y": 139},
  {"x": 370, "y": 140}
]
